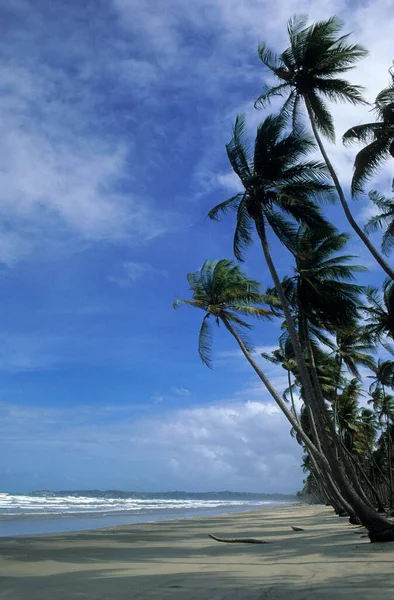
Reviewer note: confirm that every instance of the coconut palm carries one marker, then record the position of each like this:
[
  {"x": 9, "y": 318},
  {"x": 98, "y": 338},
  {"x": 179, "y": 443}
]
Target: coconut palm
[
  {"x": 227, "y": 296},
  {"x": 279, "y": 184},
  {"x": 323, "y": 282},
  {"x": 384, "y": 219},
  {"x": 353, "y": 349},
  {"x": 307, "y": 72},
  {"x": 379, "y": 137},
  {"x": 347, "y": 411}
]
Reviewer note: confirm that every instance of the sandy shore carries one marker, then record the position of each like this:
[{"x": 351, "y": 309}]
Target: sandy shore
[{"x": 329, "y": 560}]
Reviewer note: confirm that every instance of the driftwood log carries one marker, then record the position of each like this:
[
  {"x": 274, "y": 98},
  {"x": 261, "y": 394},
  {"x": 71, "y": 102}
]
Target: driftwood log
[{"x": 237, "y": 540}]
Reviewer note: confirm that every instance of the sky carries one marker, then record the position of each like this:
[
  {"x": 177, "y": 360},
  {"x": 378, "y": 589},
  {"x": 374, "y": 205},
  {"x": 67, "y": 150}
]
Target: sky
[{"x": 115, "y": 116}]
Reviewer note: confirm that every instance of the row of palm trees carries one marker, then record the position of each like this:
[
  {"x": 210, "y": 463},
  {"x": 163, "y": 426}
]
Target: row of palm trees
[{"x": 332, "y": 325}]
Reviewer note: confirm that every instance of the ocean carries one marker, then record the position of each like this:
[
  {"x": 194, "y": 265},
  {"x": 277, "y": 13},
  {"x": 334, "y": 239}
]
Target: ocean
[{"x": 45, "y": 512}]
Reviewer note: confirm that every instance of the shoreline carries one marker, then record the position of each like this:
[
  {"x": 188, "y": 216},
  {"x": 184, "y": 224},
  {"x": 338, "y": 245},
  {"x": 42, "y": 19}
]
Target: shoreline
[
  {"x": 48, "y": 524},
  {"x": 176, "y": 559}
]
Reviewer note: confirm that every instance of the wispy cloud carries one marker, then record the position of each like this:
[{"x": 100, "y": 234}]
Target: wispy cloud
[{"x": 131, "y": 271}]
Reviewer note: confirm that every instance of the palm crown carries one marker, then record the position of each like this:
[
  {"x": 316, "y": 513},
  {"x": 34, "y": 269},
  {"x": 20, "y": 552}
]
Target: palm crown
[
  {"x": 383, "y": 219},
  {"x": 379, "y": 137},
  {"x": 278, "y": 180},
  {"x": 309, "y": 67},
  {"x": 225, "y": 294},
  {"x": 322, "y": 286}
]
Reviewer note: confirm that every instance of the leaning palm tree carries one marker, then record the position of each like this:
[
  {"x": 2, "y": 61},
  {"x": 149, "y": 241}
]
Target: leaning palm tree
[
  {"x": 307, "y": 72},
  {"x": 379, "y": 137},
  {"x": 227, "y": 296},
  {"x": 384, "y": 219},
  {"x": 279, "y": 186}
]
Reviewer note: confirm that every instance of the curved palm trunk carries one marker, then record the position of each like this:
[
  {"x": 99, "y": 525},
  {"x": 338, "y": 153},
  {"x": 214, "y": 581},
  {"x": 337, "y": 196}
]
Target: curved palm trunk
[
  {"x": 379, "y": 528},
  {"x": 366, "y": 478},
  {"x": 336, "y": 421},
  {"x": 274, "y": 394},
  {"x": 317, "y": 457},
  {"x": 388, "y": 434},
  {"x": 337, "y": 447},
  {"x": 377, "y": 256},
  {"x": 292, "y": 395}
]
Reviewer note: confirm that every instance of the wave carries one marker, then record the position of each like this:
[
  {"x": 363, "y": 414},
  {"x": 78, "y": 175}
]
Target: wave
[{"x": 46, "y": 504}]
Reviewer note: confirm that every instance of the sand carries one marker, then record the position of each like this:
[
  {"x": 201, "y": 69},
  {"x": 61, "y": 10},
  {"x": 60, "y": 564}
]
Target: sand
[{"x": 329, "y": 560}]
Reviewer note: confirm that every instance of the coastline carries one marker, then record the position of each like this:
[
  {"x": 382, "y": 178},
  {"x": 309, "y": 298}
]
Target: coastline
[
  {"x": 177, "y": 559},
  {"x": 22, "y": 525}
]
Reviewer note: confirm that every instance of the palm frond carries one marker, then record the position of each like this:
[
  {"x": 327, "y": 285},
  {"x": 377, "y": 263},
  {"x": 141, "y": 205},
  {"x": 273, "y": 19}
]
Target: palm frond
[
  {"x": 238, "y": 150},
  {"x": 205, "y": 339},
  {"x": 224, "y": 207}
]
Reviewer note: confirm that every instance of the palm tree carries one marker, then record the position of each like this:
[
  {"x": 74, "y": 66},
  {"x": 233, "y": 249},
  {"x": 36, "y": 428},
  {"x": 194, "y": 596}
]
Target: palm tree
[
  {"x": 347, "y": 411},
  {"x": 384, "y": 219},
  {"x": 323, "y": 281},
  {"x": 380, "y": 312},
  {"x": 378, "y": 136},
  {"x": 284, "y": 356},
  {"x": 279, "y": 184},
  {"x": 354, "y": 349},
  {"x": 227, "y": 296},
  {"x": 383, "y": 404},
  {"x": 307, "y": 70}
]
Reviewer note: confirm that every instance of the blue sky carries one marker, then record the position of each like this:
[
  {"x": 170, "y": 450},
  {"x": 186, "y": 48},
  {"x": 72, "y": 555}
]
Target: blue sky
[{"x": 114, "y": 119}]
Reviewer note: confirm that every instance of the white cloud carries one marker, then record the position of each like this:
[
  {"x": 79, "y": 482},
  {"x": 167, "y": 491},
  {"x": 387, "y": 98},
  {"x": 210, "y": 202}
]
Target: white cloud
[
  {"x": 131, "y": 271},
  {"x": 243, "y": 445},
  {"x": 181, "y": 391}
]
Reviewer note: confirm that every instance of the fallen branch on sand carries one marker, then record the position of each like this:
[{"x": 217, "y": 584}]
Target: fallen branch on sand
[{"x": 237, "y": 540}]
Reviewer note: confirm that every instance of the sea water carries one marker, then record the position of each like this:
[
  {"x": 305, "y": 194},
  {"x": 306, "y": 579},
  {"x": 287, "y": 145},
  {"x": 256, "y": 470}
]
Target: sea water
[{"x": 56, "y": 512}]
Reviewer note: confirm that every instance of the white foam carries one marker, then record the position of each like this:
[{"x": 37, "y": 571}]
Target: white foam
[{"x": 13, "y": 504}]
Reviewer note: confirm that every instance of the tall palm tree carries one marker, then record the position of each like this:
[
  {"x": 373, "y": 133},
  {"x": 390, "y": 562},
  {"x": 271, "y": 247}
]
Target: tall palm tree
[
  {"x": 279, "y": 187},
  {"x": 379, "y": 137},
  {"x": 307, "y": 71},
  {"x": 227, "y": 296},
  {"x": 383, "y": 219}
]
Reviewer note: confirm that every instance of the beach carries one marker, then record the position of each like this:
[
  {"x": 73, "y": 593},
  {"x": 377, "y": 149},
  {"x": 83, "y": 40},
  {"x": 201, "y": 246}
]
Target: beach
[{"x": 328, "y": 560}]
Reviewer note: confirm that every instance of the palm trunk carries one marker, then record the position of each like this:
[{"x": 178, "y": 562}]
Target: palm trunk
[
  {"x": 336, "y": 422},
  {"x": 379, "y": 528},
  {"x": 377, "y": 256},
  {"x": 388, "y": 434},
  {"x": 366, "y": 478},
  {"x": 274, "y": 394},
  {"x": 292, "y": 396},
  {"x": 338, "y": 448}
]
